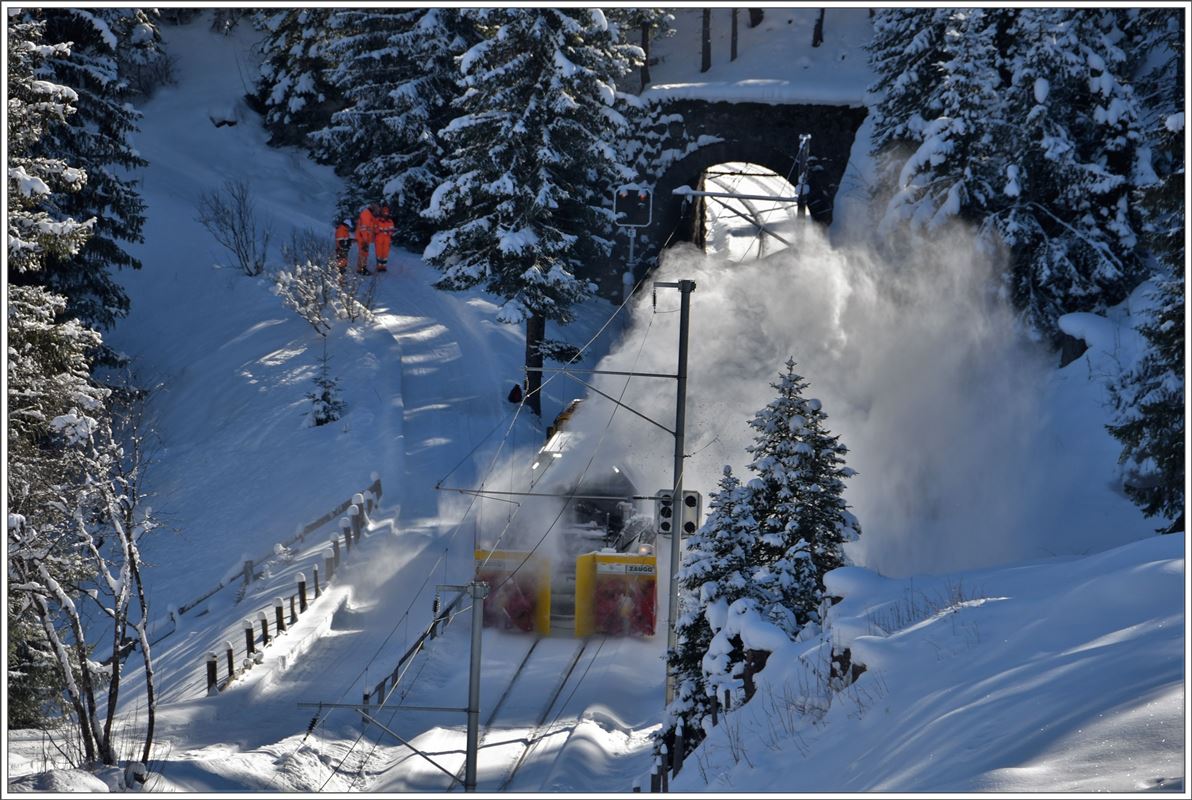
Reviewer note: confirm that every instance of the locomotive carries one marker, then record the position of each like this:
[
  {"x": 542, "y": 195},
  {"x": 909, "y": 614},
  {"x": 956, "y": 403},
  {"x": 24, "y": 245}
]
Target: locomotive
[{"x": 601, "y": 578}]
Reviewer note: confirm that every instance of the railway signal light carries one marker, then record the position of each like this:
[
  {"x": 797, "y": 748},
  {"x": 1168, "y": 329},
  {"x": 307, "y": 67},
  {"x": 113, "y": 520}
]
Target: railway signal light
[
  {"x": 632, "y": 206},
  {"x": 664, "y": 511},
  {"x": 689, "y": 512}
]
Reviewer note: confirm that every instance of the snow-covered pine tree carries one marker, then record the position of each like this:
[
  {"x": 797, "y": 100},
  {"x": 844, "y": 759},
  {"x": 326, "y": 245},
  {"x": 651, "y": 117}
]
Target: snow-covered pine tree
[
  {"x": 141, "y": 56},
  {"x": 798, "y": 502},
  {"x": 97, "y": 141},
  {"x": 1047, "y": 170},
  {"x": 642, "y": 25},
  {"x": 48, "y": 380},
  {"x": 1150, "y": 398},
  {"x": 47, "y": 367},
  {"x": 292, "y": 88},
  {"x": 1070, "y": 223},
  {"x": 905, "y": 51},
  {"x": 716, "y": 569},
  {"x": 520, "y": 211},
  {"x": 326, "y": 403},
  {"x": 396, "y": 70},
  {"x": 958, "y": 165}
]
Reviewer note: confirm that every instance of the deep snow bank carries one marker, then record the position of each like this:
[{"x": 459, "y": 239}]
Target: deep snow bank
[{"x": 1050, "y": 676}]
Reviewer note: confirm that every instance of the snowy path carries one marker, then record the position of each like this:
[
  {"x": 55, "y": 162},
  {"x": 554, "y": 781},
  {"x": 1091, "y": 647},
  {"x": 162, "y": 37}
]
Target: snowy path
[{"x": 448, "y": 357}]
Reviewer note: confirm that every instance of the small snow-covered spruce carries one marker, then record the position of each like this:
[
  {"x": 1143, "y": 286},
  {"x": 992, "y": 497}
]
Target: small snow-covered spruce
[
  {"x": 292, "y": 88},
  {"x": 326, "y": 403},
  {"x": 798, "y": 502},
  {"x": 715, "y": 574},
  {"x": 395, "y": 68},
  {"x": 520, "y": 208},
  {"x": 97, "y": 140}
]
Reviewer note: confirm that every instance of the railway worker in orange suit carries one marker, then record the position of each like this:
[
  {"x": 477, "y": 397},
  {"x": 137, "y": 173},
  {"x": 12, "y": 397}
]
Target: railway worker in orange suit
[
  {"x": 343, "y": 243},
  {"x": 365, "y": 232},
  {"x": 383, "y": 225}
]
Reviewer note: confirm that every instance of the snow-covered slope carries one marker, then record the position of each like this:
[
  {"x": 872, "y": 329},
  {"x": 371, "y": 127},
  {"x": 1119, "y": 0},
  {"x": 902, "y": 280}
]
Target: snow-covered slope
[{"x": 1056, "y": 674}]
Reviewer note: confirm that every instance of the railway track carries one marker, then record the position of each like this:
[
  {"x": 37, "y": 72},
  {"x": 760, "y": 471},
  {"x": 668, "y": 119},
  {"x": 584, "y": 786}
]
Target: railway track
[{"x": 501, "y": 753}]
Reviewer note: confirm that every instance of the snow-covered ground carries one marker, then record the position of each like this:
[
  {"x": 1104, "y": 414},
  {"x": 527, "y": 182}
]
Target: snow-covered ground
[{"x": 1034, "y": 639}]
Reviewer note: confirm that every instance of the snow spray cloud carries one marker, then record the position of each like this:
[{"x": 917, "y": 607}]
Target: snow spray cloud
[{"x": 919, "y": 366}]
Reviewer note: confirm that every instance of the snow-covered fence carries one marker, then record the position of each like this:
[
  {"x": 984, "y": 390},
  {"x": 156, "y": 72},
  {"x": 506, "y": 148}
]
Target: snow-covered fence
[
  {"x": 363, "y": 502},
  {"x": 439, "y": 620},
  {"x": 300, "y": 602}
]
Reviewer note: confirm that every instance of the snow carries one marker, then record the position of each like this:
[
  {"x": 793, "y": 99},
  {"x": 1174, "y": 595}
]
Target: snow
[
  {"x": 1017, "y": 618},
  {"x": 1042, "y": 89},
  {"x": 28, "y": 185},
  {"x": 1174, "y": 122},
  {"x": 997, "y": 679},
  {"x": 766, "y": 70}
]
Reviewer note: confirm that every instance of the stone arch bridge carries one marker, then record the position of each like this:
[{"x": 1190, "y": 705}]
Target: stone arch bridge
[{"x": 687, "y": 136}]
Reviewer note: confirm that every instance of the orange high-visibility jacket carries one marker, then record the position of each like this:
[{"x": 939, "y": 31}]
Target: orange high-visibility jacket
[
  {"x": 365, "y": 227},
  {"x": 342, "y": 232},
  {"x": 383, "y": 225}
]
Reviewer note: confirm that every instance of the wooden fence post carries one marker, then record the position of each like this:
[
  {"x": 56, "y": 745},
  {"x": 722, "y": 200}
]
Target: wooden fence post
[
  {"x": 293, "y": 610},
  {"x": 345, "y": 527},
  {"x": 316, "y": 569},
  {"x": 655, "y": 776},
  {"x": 637, "y": 784},
  {"x": 249, "y": 643},
  {"x": 356, "y": 517},
  {"x": 715, "y": 708},
  {"x": 264, "y": 618},
  {"x": 247, "y": 571},
  {"x": 677, "y": 758},
  {"x": 212, "y": 676},
  {"x": 329, "y": 564},
  {"x": 302, "y": 591},
  {"x": 376, "y": 488},
  {"x": 279, "y": 615},
  {"x": 434, "y": 617},
  {"x": 664, "y": 771},
  {"x": 335, "y": 545},
  {"x": 231, "y": 661}
]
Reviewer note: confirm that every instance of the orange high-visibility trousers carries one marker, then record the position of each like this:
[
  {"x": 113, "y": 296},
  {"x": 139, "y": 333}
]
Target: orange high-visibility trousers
[
  {"x": 343, "y": 243},
  {"x": 365, "y": 231}
]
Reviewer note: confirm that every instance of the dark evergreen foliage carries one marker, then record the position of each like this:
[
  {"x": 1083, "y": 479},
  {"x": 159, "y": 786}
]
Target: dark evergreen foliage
[
  {"x": 1026, "y": 123},
  {"x": 293, "y": 89},
  {"x": 522, "y": 208},
  {"x": 97, "y": 141},
  {"x": 396, "y": 71}
]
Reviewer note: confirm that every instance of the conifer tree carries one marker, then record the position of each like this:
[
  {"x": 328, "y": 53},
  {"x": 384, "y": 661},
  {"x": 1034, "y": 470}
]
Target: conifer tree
[
  {"x": 798, "y": 500},
  {"x": 1071, "y": 226},
  {"x": 643, "y": 25},
  {"x": 520, "y": 210},
  {"x": 47, "y": 366},
  {"x": 906, "y": 47},
  {"x": 1150, "y": 398},
  {"x": 96, "y": 140},
  {"x": 716, "y": 573},
  {"x": 933, "y": 188},
  {"x": 37, "y": 230},
  {"x": 395, "y": 69},
  {"x": 1027, "y": 125},
  {"x": 292, "y": 88}
]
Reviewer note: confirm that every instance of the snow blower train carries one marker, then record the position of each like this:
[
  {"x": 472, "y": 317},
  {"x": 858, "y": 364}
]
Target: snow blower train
[{"x": 600, "y": 578}]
